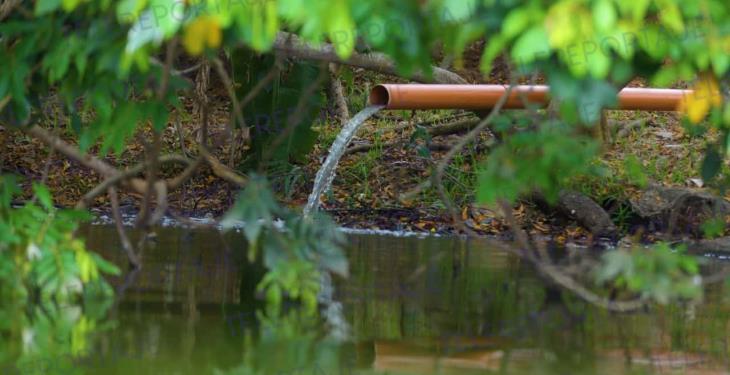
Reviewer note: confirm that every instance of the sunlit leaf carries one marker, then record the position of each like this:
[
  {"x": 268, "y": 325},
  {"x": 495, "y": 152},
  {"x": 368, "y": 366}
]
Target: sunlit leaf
[
  {"x": 203, "y": 32},
  {"x": 531, "y": 46},
  {"x": 704, "y": 95}
]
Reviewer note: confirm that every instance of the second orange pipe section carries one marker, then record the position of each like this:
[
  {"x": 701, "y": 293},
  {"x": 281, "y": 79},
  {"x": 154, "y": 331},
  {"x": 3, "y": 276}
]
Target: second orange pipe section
[{"x": 482, "y": 97}]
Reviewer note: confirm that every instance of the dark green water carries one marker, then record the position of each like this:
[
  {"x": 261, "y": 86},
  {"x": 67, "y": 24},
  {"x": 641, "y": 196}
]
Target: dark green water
[{"x": 412, "y": 306}]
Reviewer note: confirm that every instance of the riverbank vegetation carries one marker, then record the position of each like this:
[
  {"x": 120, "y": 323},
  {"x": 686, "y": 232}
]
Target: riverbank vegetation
[{"x": 226, "y": 109}]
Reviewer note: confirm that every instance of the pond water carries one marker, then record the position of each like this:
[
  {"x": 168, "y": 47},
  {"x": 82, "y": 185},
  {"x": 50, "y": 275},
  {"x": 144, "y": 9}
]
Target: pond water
[{"x": 410, "y": 305}]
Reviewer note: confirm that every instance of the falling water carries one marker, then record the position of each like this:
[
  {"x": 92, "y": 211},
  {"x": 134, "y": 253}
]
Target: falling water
[
  {"x": 332, "y": 310},
  {"x": 326, "y": 173}
]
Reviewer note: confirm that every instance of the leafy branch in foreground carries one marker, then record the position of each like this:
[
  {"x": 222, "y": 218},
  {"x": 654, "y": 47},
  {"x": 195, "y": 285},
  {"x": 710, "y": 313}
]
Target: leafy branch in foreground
[
  {"x": 39, "y": 256},
  {"x": 294, "y": 249},
  {"x": 661, "y": 273}
]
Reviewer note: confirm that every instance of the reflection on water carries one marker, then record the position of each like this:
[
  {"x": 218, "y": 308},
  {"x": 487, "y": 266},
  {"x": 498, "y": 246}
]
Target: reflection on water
[{"x": 415, "y": 306}]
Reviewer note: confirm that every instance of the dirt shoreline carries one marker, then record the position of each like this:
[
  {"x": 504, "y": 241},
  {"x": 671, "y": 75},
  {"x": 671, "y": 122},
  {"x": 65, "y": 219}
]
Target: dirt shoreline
[{"x": 372, "y": 184}]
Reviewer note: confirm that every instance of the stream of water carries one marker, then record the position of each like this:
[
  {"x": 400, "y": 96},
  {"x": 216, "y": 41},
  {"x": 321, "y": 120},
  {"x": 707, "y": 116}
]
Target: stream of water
[{"x": 326, "y": 172}]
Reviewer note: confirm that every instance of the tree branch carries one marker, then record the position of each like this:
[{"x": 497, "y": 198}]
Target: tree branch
[
  {"x": 231, "y": 90},
  {"x": 126, "y": 244},
  {"x": 222, "y": 171},
  {"x": 292, "y": 46},
  {"x": 129, "y": 173},
  {"x": 337, "y": 94},
  {"x": 438, "y": 175},
  {"x": 545, "y": 266},
  {"x": 71, "y": 152},
  {"x": 296, "y": 116}
]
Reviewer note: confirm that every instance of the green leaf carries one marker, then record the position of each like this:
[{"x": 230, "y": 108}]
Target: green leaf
[
  {"x": 341, "y": 28},
  {"x": 106, "y": 267},
  {"x": 713, "y": 228},
  {"x": 711, "y": 165},
  {"x": 129, "y": 10},
  {"x": 46, "y": 6},
  {"x": 635, "y": 171},
  {"x": 160, "y": 21},
  {"x": 255, "y": 207},
  {"x": 670, "y": 15},
  {"x": 516, "y": 22},
  {"x": 459, "y": 10},
  {"x": 495, "y": 46},
  {"x": 69, "y": 5},
  {"x": 43, "y": 195},
  {"x": 604, "y": 15},
  {"x": 532, "y": 45}
]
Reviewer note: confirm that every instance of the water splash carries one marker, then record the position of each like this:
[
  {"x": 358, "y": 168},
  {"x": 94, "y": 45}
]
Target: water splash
[
  {"x": 332, "y": 310},
  {"x": 326, "y": 172}
]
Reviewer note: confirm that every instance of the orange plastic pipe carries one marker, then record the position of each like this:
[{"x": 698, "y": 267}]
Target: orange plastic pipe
[{"x": 481, "y": 97}]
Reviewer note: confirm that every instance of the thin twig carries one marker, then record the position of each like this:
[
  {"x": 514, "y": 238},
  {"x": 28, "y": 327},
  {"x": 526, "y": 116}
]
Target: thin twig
[
  {"x": 185, "y": 175},
  {"x": 545, "y": 267},
  {"x": 296, "y": 116},
  {"x": 167, "y": 68},
  {"x": 231, "y": 90},
  {"x": 438, "y": 174},
  {"x": 49, "y": 161},
  {"x": 161, "y": 204},
  {"x": 4, "y": 101},
  {"x": 337, "y": 93},
  {"x": 202, "y": 81},
  {"x": 129, "y": 173},
  {"x": 7, "y": 7},
  {"x": 153, "y": 150},
  {"x": 222, "y": 171},
  {"x": 71, "y": 152},
  {"x": 126, "y": 244},
  {"x": 261, "y": 84}
]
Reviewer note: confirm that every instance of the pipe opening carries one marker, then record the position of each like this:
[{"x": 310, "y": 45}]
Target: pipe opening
[{"x": 379, "y": 95}]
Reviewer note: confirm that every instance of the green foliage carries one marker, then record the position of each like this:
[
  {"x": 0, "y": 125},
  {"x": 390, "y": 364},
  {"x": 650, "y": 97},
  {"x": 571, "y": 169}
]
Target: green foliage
[
  {"x": 661, "y": 273},
  {"x": 277, "y": 108},
  {"x": 714, "y": 227},
  {"x": 99, "y": 59},
  {"x": 49, "y": 337},
  {"x": 39, "y": 255},
  {"x": 534, "y": 160},
  {"x": 294, "y": 249},
  {"x": 635, "y": 171},
  {"x": 292, "y": 338}
]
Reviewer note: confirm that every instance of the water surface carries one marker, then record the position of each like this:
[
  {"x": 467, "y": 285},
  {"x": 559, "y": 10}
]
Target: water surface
[{"x": 413, "y": 306}]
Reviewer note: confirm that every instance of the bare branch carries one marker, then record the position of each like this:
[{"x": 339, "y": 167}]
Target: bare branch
[
  {"x": 202, "y": 103},
  {"x": 71, "y": 152},
  {"x": 161, "y": 203},
  {"x": 134, "y": 171},
  {"x": 231, "y": 90},
  {"x": 337, "y": 94},
  {"x": 292, "y": 46},
  {"x": 222, "y": 171},
  {"x": 438, "y": 175},
  {"x": 554, "y": 274},
  {"x": 261, "y": 84},
  {"x": 4, "y": 101},
  {"x": 126, "y": 244},
  {"x": 7, "y": 7},
  {"x": 296, "y": 116},
  {"x": 180, "y": 179}
]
